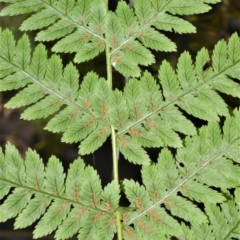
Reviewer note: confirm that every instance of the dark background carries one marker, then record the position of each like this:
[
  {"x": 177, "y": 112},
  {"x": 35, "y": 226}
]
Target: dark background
[{"x": 220, "y": 22}]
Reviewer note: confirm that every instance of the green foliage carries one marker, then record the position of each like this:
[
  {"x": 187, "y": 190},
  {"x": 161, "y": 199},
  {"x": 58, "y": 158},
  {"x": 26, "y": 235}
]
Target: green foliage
[{"x": 196, "y": 166}]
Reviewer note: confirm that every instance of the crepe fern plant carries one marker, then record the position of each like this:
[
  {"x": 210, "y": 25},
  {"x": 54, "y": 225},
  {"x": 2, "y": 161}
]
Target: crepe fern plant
[{"x": 186, "y": 193}]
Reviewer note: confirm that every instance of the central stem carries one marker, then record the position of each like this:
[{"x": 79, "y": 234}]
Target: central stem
[{"x": 114, "y": 137}]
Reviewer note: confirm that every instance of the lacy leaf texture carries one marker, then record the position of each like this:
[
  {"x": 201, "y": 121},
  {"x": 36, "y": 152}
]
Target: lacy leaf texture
[{"x": 185, "y": 194}]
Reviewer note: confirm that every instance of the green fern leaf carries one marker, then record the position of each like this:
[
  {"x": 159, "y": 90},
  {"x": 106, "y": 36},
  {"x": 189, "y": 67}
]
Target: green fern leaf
[
  {"x": 202, "y": 231},
  {"x": 4, "y": 186},
  {"x": 35, "y": 170},
  {"x": 79, "y": 130},
  {"x": 168, "y": 136},
  {"x": 197, "y": 192},
  {"x": 13, "y": 162},
  {"x": 53, "y": 74},
  {"x": 42, "y": 109},
  {"x": 100, "y": 100},
  {"x": 21, "y": 7},
  {"x": 98, "y": 14},
  {"x": 69, "y": 85},
  {"x": 154, "y": 40},
  {"x": 54, "y": 177},
  {"x": 117, "y": 111},
  {"x": 187, "y": 8},
  {"x": 153, "y": 97},
  {"x": 91, "y": 187},
  {"x": 178, "y": 207},
  {"x": 132, "y": 151},
  {"x": 73, "y": 42},
  {"x": 164, "y": 131},
  {"x": 73, "y": 188},
  {"x": 174, "y": 118},
  {"x": 231, "y": 127},
  {"x": 107, "y": 227},
  {"x": 168, "y": 79},
  {"x": 212, "y": 1},
  {"x": 234, "y": 48},
  {"x": 14, "y": 81},
  {"x": 89, "y": 228},
  {"x": 166, "y": 165},
  {"x": 145, "y": 138},
  {"x": 6, "y": 69},
  {"x": 7, "y": 45},
  {"x": 185, "y": 70},
  {"x": 27, "y": 96},
  {"x": 95, "y": 139},
  {"x": 57, "y": 30},
  {"x": 201, "y": 59},
  {"x": 111, "y": 196},
  {"x": 214, "y": 136},
  {"x": 22, "y": 54},
  {"x": 165, "y": 223},
  {"x": 227, "y": 86},
  {"x": 72, "y": 223},
  {"x": 172, "y": 23},
  {"x": 81, "y": 13},
  {"x": 89, "y": 51},
  {"x": 87, "y": 87},
  {"x": 33, "y": 211},
  {"x": 224, "y": 221},
  {"x": 197, "y": 108},
  {"x": 136, "y": 52},
  {"x": 133, "y": 95},
  {"x": 73, "y": 181},
  {"x": 127, "y": 18},
  {"x": 152, "y": 181},
  {"x": 39, "y": 62},
  {"x": 143, "y": 10},
  {"x": 229, "y": 210},
  {"x": 54, "y": 216},
  {"x": 140, "y": 200},
  {"x": 124, "y": 65},
  {"x": 99, "y": 225},
  {"x": 214, "y": 101},
  {"x": 137, "y": 195},
  {"x": 113, "y": 30},
  {"x": 219, "y": 57},
  {"x": 39, "y": 20},
  {"x": 14, "y": 204},
  {"x": 65, "y": 6}
]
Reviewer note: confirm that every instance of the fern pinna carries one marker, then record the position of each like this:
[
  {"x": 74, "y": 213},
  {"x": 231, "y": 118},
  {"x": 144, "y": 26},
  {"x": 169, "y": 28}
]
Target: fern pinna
[{"x": 195, "y": 165}]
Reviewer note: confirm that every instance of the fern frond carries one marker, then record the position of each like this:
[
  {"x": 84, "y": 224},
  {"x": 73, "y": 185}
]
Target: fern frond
[
  {"x": 188, "y": 90},
  {"x": 179, "y": 183},
  {"x": 67, "y": 205},
  {"x": 47, "y": 88},
  {"x": 85, "y": 27}
]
